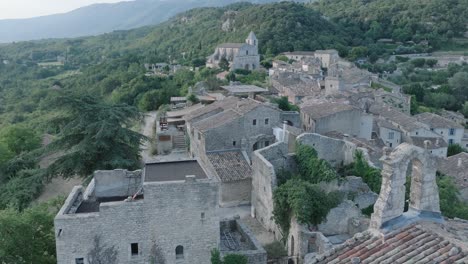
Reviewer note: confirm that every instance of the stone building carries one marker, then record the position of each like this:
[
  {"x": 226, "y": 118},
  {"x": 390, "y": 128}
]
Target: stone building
[
  {"x": 451, "y": 131},
  {"x": 343, "y": 76},
  {"x": 239, "y": 55},
  {"x": 162, "y": 213},
  {"x": 419, "y": 235},
  {"x": 223, "y": 136},
  {"x": 322, "y": 117},
  {"x": 295, "y": 86}
]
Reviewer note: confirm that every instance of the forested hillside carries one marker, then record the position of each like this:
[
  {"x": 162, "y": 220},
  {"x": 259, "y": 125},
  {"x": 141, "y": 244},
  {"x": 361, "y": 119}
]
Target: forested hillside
[{"x": 403, "y": 20}]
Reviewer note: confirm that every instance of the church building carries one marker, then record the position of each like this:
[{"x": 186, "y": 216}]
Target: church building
[{"x": 239, "y": 55}]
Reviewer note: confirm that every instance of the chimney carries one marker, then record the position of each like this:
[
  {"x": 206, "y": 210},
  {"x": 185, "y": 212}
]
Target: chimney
[{"x": 459, "y": 164}]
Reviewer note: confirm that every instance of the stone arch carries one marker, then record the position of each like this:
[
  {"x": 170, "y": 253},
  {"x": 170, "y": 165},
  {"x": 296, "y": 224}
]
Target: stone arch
[{"x": 424, "y": 195}]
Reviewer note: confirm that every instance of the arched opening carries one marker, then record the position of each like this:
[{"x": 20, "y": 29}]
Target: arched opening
[
  {"x": 255, "y": 146},
  {"x": 291, "y": 261},
  {"x": 291, "y": 252},
  {"x": 179, "y": 252},
  {"x": 289, "y": 123}
]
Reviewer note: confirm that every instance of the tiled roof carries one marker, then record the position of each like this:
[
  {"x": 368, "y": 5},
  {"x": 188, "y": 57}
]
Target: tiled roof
[
  {"x": 435, "y": 142},
  {"x": 184, "y": 111},
  {"x": 436, "y": 121},
  {"x": 217, "y": 106},
  {"x": 412, "y": 244},
  {"x": 324, "y": 109},
  {"x": 300, "y": 53},
  {"x": 230, "y": 165},
  {"x": 298, "y": 84},
  {"x": 456, "y": 167},
  {"x": 404, "y": 121},
  {"x": 243, "y": 88}
]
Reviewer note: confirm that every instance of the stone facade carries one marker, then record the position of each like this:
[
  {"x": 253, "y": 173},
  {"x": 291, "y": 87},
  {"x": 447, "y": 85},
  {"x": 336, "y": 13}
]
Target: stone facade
[
  {"x": 171, "y": 214},
  {"x": 424, "y": 195},
  {"x": 239, "y": 55}
]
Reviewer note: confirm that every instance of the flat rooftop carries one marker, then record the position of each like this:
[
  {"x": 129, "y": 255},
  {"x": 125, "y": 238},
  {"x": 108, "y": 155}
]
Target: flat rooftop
[
  {"x": 92, "y": 206},
  {"x": 173, "y": 171},
  {"x": 244, "y": 89}
]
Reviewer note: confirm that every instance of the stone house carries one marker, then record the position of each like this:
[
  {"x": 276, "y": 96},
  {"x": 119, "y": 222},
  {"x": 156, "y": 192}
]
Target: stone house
[
  {"x": 454, "y": 116},
  {"x": 295, "y": 86},
  {"x": 412, "y": 131},
  {"x": 159, "y": 214},
  {"x": 326, "y": 57},
  {"x": 223, "y": 136},
  {"x": 390, "y": 134},
  {"x": 343, "y": 75},
  {"x": 451, "y": 131},
  {"x": 456, "y": 167},
  {"x": 322, "y": 117},
  {"x": 239, "y": 55},
  {"x": 299, "y": 55}
]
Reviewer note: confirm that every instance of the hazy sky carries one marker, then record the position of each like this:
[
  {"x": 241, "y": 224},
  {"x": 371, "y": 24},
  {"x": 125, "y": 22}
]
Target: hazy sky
[{"x": 33, "y": 8}]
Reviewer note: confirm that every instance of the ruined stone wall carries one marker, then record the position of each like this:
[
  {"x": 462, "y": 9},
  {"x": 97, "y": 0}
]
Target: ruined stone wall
[
  {"x": 171, "y": 214},
  {"x": 348, "y": 122},
  {"x": 265, "y": 164},
  {"x": 335, "y": 151}
]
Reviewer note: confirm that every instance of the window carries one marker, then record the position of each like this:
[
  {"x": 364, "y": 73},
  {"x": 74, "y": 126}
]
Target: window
[
  {"x": 417, "y": 133},
  {"x": 450, "y": 141},
  {"x": 391, "y": 135},
  {"x": 267, "y": 121},
  {"x": 234, "y": 143},
  {"x": 267, "y": 143},
  {"x": 432, "y": 129},
  {"x": 179, "y": 252},
  {"x": 79, "y": 261},
  {"x": 254, "y": 122},
  {"x": 452, "y": 131},
  {"x": 202, "y": 215},
  {"x": 134, "y": 249},
  {"x": 199, "y": 135},
  {"x": 390, "y": 145},
  {"x": 246, "y": 52}
]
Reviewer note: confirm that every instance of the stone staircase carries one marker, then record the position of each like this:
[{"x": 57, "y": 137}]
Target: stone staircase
[{"x": 179, "y": 142}]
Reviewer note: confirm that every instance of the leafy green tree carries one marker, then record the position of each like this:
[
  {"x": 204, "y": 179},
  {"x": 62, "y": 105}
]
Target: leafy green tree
[
  {"x": 284, "y": 104},
  {"x": 454, "y": 149},
  {"x": 95, "y": 135},
  {"x": 28, "y": 236},
  {"x": 235, "y": 259},
  {"x": 22, "y": 189},
  {"x": 215, "y": 257},
  {"x": 419, "y": 62},
  {"x": 431, "y": 62},
  {"x": 450, "y": 204},
  {"x": 371, "y": 176},
  {"x": 465, "y": 109},
  {"x": 5, "y": 155},
  {"x": 459, "y": 85},
  {"x": 311, "y": 168},
  {"x": 193, "y": 98},
  {"x": 224, "y": 64},
  {"x": 20, "y": 139}
]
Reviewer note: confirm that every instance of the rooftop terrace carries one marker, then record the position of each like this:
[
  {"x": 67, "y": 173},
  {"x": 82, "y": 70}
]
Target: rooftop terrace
[{"x": 173, "y": 171}]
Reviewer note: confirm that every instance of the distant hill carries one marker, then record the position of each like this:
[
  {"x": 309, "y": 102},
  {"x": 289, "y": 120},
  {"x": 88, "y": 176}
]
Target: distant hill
[
  {"x": 101, "y": 18},
  {"x": 193, "y": 34}
]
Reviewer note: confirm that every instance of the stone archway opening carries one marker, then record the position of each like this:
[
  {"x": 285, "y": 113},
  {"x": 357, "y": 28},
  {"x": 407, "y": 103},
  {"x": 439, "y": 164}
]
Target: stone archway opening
[
  {"x": 413, "y": 181},
  {"x": 291, "y": 248}
]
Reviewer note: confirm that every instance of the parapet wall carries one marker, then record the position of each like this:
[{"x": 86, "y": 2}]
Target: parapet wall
[{"x": 113, "y": 183}]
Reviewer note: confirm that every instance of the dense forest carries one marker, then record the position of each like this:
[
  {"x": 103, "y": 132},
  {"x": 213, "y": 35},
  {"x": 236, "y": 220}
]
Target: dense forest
[{"x": 104, "y": 77}]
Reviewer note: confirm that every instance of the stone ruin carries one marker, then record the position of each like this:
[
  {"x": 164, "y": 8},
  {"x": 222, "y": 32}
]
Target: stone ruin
[{"x": 424, "y": 196}]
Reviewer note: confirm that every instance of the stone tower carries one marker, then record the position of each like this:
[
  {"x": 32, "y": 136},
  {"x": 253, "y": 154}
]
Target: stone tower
[
  {"x": 252, "y": 39},
  {"x": 424, "y": 196}
]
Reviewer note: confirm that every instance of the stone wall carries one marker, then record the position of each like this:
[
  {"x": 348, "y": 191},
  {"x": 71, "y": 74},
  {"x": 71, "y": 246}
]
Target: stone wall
[
  {"x": 293, "y": 117},
  {"x": 335, "y": 151},
  {"x": 235, "y": 192},
  {"x": 113, "y": 183},
  {"x": 171, "y": 214},
  {"x": 348, "y": 122},
  {"x": 265, "y": 163}
]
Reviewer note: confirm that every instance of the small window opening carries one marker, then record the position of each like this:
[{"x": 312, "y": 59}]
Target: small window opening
[
  {"x": 267, "y": 121},
  {"x": 134, "y": 249},
  {"x": 79, "y": 261},
  {"x": 179, "y": 251},
  {"x": 203, "y": 215},
  {"x": 59, "y": 232},
  {"x": 234, "y": 143},
  {"x": 254, "y": 122}
]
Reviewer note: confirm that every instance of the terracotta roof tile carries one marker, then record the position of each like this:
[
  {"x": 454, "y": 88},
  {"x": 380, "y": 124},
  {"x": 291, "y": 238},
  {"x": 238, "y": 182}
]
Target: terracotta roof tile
[{"x": 412, "y": 244}]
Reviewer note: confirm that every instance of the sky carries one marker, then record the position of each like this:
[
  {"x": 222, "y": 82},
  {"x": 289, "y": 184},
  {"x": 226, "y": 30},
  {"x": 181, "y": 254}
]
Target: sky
[{"x": 33, "y": 8}]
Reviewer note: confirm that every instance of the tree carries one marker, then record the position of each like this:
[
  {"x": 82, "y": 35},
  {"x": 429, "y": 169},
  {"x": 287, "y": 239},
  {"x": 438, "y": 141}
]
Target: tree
[
  {"x": 224, "y": 64},
  {"x": 465, "y": 109},
  {"x": 94, "y": 135},
  {"x": 431, "y": 62},
  {"x": 455, "y": 149},
  {"x": 101, "y": 254},
  {"x": 28, "y": 236},
  {"x": 459, "y": 85},
  {"x": 20, "y": 139},
  {"x": 228, "y": 259},
  {"x": 419, "y": 62}
]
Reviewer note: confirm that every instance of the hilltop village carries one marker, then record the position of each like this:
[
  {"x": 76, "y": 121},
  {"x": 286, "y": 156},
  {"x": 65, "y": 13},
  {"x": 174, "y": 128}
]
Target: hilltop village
[{"x": 221, "y": 156}]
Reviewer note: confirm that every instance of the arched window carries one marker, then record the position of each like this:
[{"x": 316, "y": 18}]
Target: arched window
[{"x": 179, "y": 252}]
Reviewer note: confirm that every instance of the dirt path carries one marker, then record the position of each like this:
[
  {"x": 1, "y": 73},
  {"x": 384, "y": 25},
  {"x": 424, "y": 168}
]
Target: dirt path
[
  {"x": 58, "y": 187},
  {"x": 147, "y": 130}
]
